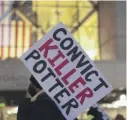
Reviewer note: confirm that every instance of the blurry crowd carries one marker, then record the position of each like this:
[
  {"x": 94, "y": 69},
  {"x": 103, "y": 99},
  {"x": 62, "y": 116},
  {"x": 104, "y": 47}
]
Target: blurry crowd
[{"x": 38, "y": 106}]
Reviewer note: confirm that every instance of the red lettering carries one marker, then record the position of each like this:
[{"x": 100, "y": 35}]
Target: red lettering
[
  {"x": 65, "y": 77},
  {"x": 59, "y": 67},
  {"x": 75, "y": 84},
  {"x": 46, "y": 47},
  {"x": 52, "y": 61},
  {"x": 87, "y": 92}
]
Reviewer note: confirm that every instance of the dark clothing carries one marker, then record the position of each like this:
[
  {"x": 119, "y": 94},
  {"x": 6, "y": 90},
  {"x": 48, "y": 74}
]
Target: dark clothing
[
  {"x": 97, "y": 114},
  {"x": 24, "y": 110},
  {"x": 94, "y": 112},
  {"x": 41, "y": 109}
]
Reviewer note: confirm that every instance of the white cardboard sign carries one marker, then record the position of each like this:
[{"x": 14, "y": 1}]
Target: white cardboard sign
[{"x": 65, "y": 72}]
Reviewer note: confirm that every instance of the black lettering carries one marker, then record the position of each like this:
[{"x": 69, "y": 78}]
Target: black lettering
[
  {"x": 70, "y": 104},
  {"x": 38, "y": 69},
  {"x": 66, "y": 43},
  {"x": 51, "y": 73},
  {"x": 34, "y": 54},
  {"x": 61, "y": 94},
  {"x": 75, "y": 54},
  {"x": 56, "y": 85},
  {"x": 60, "y": 30},
  {"x": 101, "y": 84},
  {"x": 86, "y": 69},
  {"x": 89, "y": 74},
  {"x": 82, "y": 62}
]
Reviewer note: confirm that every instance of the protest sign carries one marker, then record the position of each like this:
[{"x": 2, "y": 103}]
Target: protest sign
[{"x": 65, "y": 72}]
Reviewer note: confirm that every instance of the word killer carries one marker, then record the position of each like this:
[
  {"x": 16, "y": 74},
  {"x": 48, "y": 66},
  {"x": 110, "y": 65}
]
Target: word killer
[{"x": 66, "y": 52}]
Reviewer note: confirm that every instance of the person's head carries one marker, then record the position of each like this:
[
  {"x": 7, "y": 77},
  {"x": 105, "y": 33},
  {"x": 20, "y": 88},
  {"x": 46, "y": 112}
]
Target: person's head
[{"x": 119, "y": 117}]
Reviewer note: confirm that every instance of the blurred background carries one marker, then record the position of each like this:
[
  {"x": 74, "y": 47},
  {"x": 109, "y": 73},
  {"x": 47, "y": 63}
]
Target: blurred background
[{"x": 99, "y": 26}]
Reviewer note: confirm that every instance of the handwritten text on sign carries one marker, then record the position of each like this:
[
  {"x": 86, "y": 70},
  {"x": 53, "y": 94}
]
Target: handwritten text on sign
[{"x": 65, "y": 72}]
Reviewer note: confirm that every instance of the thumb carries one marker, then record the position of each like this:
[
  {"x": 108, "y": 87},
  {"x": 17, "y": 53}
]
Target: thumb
[{"x": 35, "y": 97}]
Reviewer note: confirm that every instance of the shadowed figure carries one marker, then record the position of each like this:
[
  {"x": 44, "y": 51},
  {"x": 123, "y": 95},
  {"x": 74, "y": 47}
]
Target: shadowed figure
[{"x": 40, "y": 106}]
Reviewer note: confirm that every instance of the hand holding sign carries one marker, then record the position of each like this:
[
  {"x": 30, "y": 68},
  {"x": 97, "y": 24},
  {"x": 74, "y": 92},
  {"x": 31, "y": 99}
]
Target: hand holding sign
[{"x": 65, "y": 72}]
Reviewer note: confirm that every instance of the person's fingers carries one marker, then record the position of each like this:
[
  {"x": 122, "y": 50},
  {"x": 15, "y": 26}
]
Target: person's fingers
[{"x": 35, "y": 97}]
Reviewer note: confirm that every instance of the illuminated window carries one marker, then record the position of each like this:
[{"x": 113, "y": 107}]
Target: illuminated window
[
  {"x": 15, "y": 35},
  {"x": 71, "y": 13},
  {"x": 79, "y": 16}
]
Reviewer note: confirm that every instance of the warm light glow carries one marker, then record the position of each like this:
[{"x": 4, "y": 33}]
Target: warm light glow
[
  {"x": 12, "y": 110},
  {"x": 12, "y": 41},
  {"x": 5, "y": 41},
  {"x": 70, "y": 13},
  {"x": 19, "y": 40},
  {"x": 49, "y": 13},
  {"x": 26, "y": 40},
  {"x": 15, "y": 43}
]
